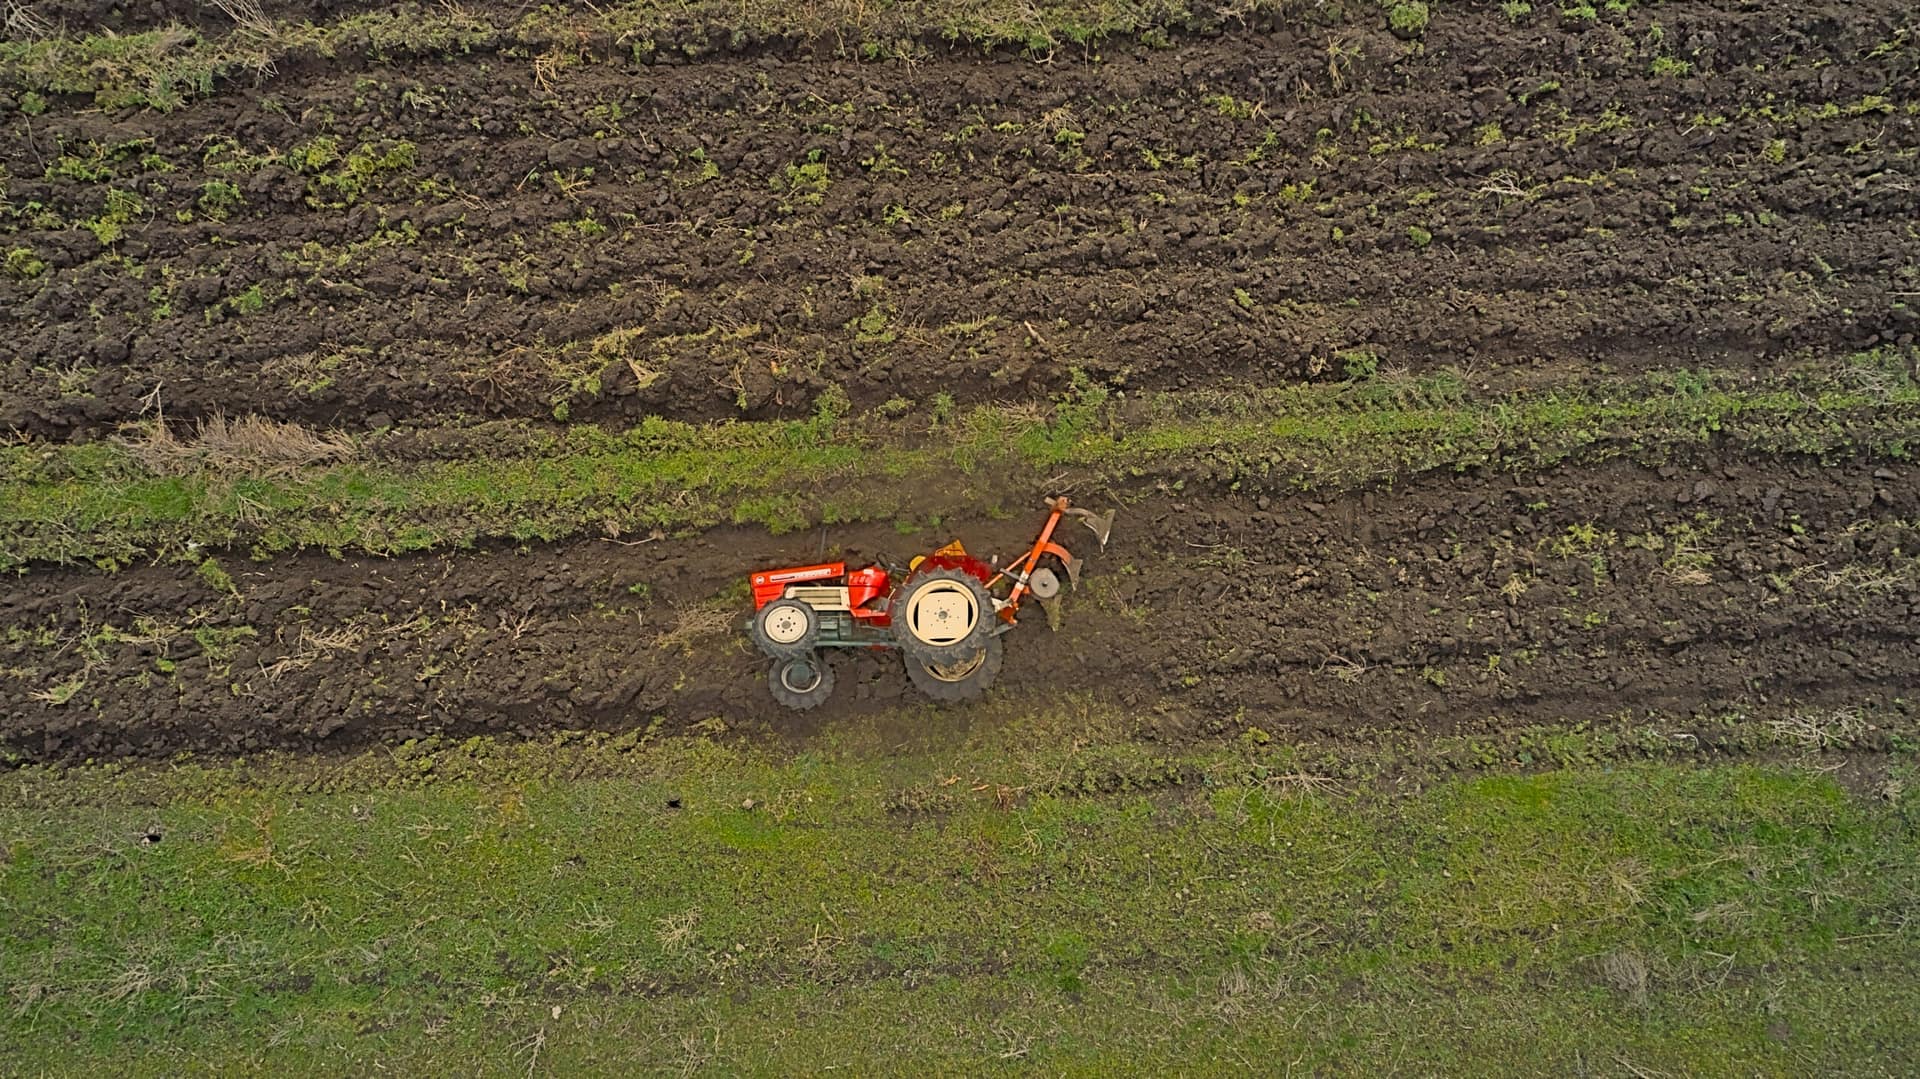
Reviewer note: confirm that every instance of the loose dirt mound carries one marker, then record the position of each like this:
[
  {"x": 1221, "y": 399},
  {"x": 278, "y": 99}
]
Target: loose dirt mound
[
  {"x": 1452, "y": 604},
  {"x": 609, "y": 231}
]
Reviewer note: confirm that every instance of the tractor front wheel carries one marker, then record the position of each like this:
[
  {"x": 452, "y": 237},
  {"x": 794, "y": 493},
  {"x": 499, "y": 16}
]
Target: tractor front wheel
[
  {"x": 801, "y": 683},
  {"x": 786, "y": 628},
  {"x": 960, "y": 680},
  {"x": 943, "y": 616}
]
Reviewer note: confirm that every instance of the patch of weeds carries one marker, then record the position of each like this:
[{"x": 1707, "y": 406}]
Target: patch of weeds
[
  {"x": 1516, "y": 10},
  {"x": 1686, "y": 560},
  {"x": 585, "y": 227},
  {"x": 219, "y": 198},
  {"x": 1069, "y": 953},
  {"x": 1358, "y": 363},
  {"x": 1670, "y": 67},
  {"x": 1259, "y": 153},
  {"x": 1297, "y": 192},
  {"x": 881, "y": 163},
  {"x": 1409, "y": 20},
  {"x": 215, "y": 577},
  {"x": 1775, "y": 152},
  {"x": 942, "y": 410},
  {"x": 73, "y": 379},
  {"x": 1580, "y": 13},
  {"x": 339, "y": 182},
  {"x": 219, "y": 643},
  {"x": 22, "y": 264},
  {"x": 91, "y": 169},
  {"x": 61, "y": 693},
  {"x": 804, "y": 184},
  {"x": 518, "y": 274},
  {"x": 706, "y": 169},
  {"x": 1550, "y": 86},
  {"x": 1419, "y": 237},
  {"x": 873, "y": 328},
  {"x": 122, "y": 207},
  {"x": 1228, "y": 105},
  {"x": 1611, "y": 119},
  {"x": 251, "y": 302}
]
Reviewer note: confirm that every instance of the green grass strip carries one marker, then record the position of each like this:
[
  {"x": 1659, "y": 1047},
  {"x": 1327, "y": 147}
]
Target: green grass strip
[
  {"x": 167, "y": 67},
  {"x": 723, "y": 909},
  {"x": 95, "y": 503}
]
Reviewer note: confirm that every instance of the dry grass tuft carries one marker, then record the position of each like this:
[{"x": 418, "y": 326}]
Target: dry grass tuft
[
  {"x": 675, "y": 932},
  {"x": 22, "y": 23},
  {"x": 247, "y": 15},
  {"x": 1627, "y": 973},
  {"x": 251, "y": 445},
  {"x": 314, "y": 645},
  {"x": 255, "y": 32},
  {"x": 1820, "y": 730},
  {"x": 698, "y": 623}
]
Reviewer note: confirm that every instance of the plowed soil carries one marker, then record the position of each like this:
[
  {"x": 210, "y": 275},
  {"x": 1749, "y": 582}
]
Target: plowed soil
[
  {"x": 476, "y": 235},
  {"x": 1453, "y": 604},
  {"x": 609, "y": 233}
]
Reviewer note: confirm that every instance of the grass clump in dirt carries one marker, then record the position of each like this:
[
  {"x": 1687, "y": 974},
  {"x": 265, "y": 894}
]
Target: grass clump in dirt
[
  {"x": 22, "y": 264},
  {"x": 1409, "y": 19}
]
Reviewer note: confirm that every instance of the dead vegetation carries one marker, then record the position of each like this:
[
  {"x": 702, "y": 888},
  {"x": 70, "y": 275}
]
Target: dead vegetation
[
  {"x": 23, "y": 23},
  {"x": 247, "y": 16},
  {"x": 313, "y": 645},
  {"x": 251, "y": 445},
  {"x": 697, "y": 623},
  {"x": 1820, "y": 730}
]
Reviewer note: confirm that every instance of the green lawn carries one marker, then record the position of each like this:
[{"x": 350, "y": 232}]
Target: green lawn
[{"x": 1036, "y": 893}]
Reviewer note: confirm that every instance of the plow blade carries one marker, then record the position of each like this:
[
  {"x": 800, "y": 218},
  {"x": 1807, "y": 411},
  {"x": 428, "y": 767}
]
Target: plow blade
[{"x": 1100, "y": 523}]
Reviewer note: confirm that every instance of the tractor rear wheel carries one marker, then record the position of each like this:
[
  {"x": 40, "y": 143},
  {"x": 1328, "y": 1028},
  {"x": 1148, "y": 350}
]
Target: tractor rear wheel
[
  {"x": 801, "y": 683},
  {"x": 960, "y": 680},
  {"x": 786, "y": 628},
  {"x": 943, "y": 616}
]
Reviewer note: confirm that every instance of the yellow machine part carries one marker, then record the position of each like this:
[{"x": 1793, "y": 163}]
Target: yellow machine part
[{"x": 951, "y": 550}]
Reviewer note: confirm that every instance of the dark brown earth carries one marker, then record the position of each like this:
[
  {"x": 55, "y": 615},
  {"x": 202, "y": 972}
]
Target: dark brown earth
[
  {"x": 1454, "y": 604},
  {"x": 1248, "y": 205},
  {"x": 613, "y": 235}
]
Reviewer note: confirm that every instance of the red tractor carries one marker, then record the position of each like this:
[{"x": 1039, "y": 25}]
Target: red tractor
[{"x": 946, "y": 614}]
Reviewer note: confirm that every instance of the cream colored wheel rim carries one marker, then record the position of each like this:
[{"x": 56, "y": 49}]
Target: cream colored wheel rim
[
  {"x": 786, "y": 625},
  {"x": 942, "y": 613},
  {"x": 957, "y": 672}
]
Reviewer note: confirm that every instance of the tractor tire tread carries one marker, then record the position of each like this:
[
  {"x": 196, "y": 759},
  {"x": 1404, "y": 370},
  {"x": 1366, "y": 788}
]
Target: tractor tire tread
[
  {"x": 972, "y": 687},
  {"x": 963, "y": 649},
  {"x": 795, "y": 699}
]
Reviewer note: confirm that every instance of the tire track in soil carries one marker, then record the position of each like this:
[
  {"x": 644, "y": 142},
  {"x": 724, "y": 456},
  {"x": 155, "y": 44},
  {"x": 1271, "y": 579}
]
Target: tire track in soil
[
  {"x": 1084, "y": 235},
  {"x": 1769, "y": 589}
]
